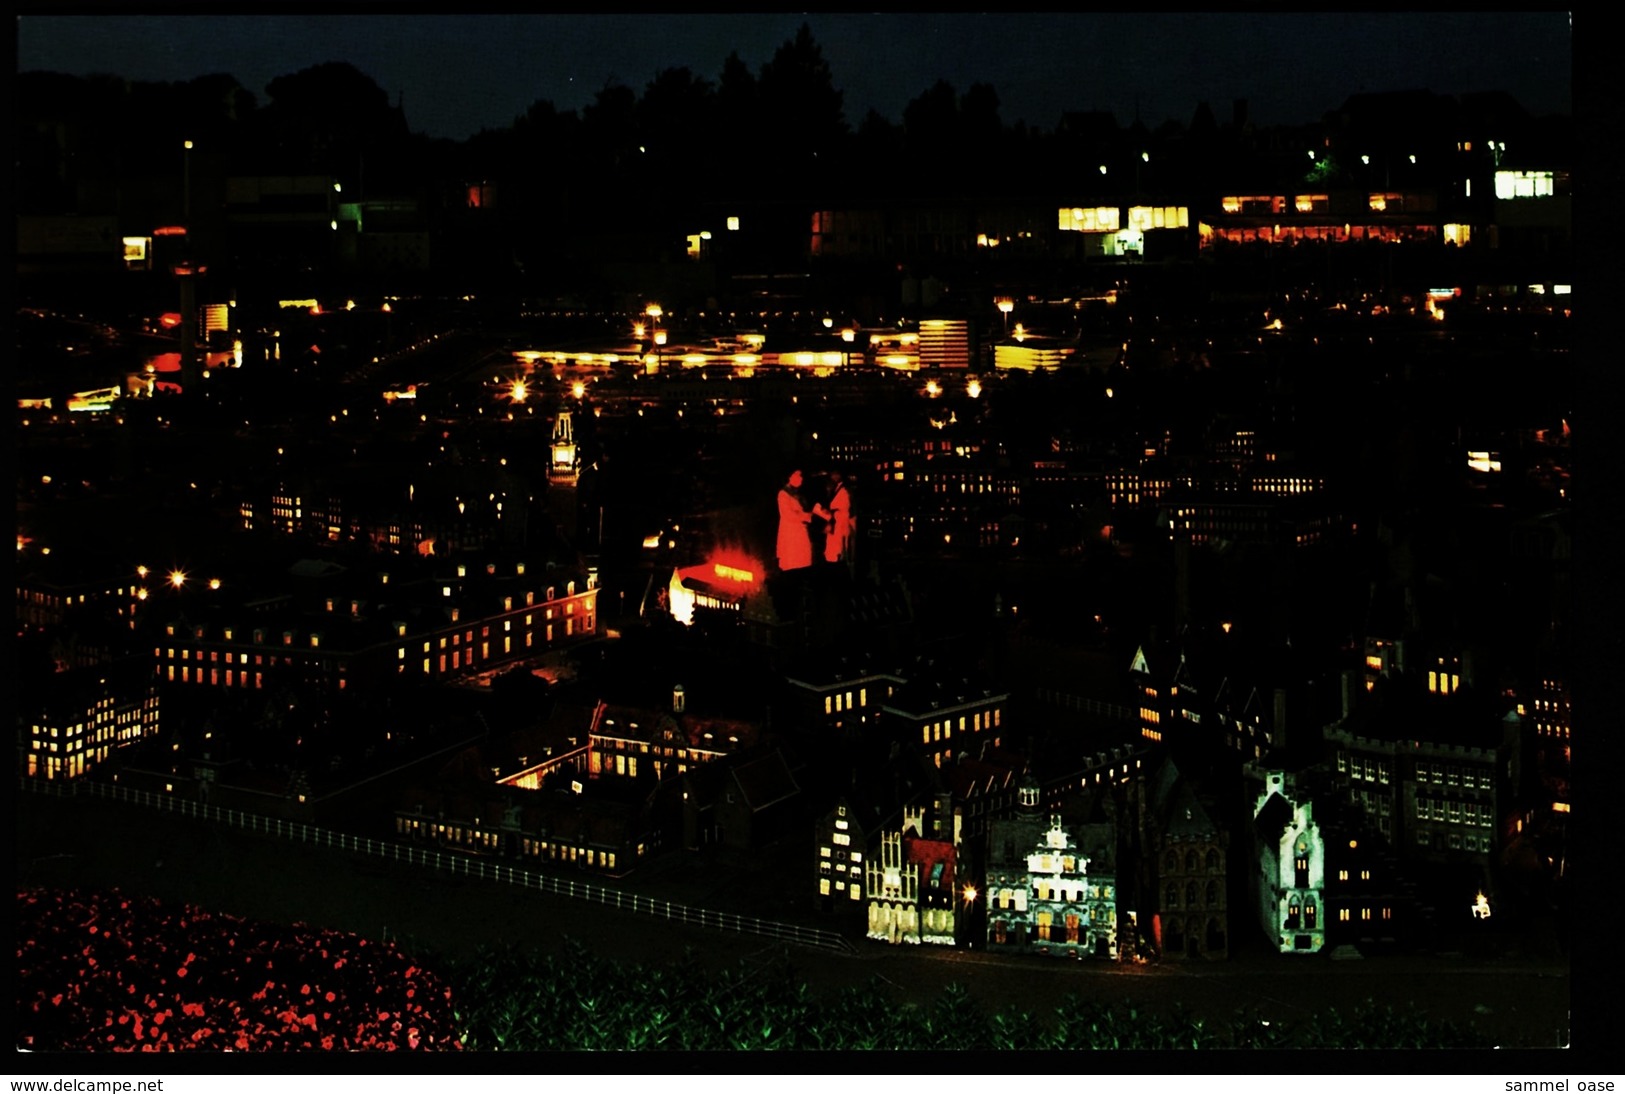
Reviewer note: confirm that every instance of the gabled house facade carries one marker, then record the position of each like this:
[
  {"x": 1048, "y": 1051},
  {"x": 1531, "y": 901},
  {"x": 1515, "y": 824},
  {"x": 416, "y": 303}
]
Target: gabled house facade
[{"x": 1290, "y": 878}]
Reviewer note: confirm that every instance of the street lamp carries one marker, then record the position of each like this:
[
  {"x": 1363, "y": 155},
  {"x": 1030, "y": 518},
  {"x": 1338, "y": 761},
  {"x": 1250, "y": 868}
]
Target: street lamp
[
  {"x": 1006, "y": 305},
  {"x": 658, "y": 337},
  {"x": 186, "y": 187}
]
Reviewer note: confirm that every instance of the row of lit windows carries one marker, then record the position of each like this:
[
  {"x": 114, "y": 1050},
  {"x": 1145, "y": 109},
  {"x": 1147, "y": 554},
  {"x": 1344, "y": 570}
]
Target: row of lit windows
[
  {"x": 942, "y": 730},
  {"x": 838, "y": 702},
  {"x": 1364, "y": 769},
  {"x": 564, "y": 852},
  {"x": 458, "y": 658},
  {"x": 853, "y": 892},
  {"x": 1048, "y": 890},
  {"x": 234, "y": 678},
  {"x": 1468, "y": 778},
  {"x": 1336, "y": 233},
  {"x": 1454, "y": 812},
  {"x": 1443, "y": 683},
  {"x": 1345, "y": 915},
  {"x": 845, "y": 841}
]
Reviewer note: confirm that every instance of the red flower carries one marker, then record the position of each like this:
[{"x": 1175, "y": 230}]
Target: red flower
[
  {"x": 56, "y": 1000},
  {"x": 181, "y": 971},
  {"x": 330, "y": 997}
]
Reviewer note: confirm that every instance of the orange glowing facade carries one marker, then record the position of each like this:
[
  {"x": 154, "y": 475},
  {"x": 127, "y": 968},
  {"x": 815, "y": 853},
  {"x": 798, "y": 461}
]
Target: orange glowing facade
[{"x": 721, "y": 583}]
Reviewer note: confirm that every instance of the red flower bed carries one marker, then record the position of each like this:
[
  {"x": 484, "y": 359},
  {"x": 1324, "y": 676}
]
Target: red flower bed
[{"x": 113, "y": 973}]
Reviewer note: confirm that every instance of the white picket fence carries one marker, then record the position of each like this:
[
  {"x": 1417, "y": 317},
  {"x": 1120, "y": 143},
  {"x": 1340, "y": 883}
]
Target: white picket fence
[{"x": 451, "y": 863}]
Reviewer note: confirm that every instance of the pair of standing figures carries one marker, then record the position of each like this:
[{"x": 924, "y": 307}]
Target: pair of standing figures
[{"x": 795, "y": 549}]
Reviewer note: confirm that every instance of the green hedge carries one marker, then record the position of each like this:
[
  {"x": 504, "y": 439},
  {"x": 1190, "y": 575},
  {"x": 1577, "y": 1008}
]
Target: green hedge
[{"x": 512, "y": 999}]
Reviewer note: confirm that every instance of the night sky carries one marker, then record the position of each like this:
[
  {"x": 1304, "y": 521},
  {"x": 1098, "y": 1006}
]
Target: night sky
[{"x": 458, "y": 74}]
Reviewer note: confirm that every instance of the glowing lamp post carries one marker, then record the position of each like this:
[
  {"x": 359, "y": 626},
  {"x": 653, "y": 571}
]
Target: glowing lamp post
[
  {"x": 186, "y": 187},
  {"x": 177, "y": 578},
  {"x": 1006, "y": 305},
  {"x": 658, "y": 336}
]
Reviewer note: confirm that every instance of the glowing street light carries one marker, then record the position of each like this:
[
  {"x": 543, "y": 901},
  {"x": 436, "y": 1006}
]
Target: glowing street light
[
  {"x": 1006, "y": 305},
  {"x": 578, "y": 389},
  {"x": 974, "y": 388},
  {"x": 177, "y": 578},
  {"x": 970, "y": 895},
  {"x": 518, "y": 390}
]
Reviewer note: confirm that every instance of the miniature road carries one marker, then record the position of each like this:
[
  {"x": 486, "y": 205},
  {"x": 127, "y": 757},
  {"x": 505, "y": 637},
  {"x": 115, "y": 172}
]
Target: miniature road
[{"x": 97, "y": 844}]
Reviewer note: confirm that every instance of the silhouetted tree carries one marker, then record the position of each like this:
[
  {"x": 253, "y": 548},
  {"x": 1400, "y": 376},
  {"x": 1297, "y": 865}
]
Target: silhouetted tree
[{"x": 800, "y": 104}]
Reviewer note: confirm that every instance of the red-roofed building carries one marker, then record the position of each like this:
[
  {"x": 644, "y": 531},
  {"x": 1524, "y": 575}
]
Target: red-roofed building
[{"x": 911, "y": 888}]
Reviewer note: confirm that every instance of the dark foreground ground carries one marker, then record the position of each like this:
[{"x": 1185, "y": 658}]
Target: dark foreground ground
[{"x": 1519, "y": 1001}]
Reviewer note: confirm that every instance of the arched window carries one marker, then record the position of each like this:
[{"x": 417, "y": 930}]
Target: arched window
[
  {"x": 1309, "y": 912},
  {"x": 1212, "y": 894},
  {"x": 1190, "y": 862},
  {"x": 1170, "y": 862},
  {"x": 1190, "y": 894},
  {"x": 1292, "y": 914},
  {"x": 1171, "y": 897},
  {"x": 1212, "y": 860}
]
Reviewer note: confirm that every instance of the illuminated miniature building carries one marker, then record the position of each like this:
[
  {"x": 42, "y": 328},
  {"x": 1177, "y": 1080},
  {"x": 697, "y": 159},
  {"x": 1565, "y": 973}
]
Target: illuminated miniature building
[
  {"x": 1051, "y": 888},
  {"x": 946, "y": 719},
  {"x": 911, "y": 886},
  {"x": 945, "y": 343},
  {"x": 564, "y": 463},
  {"x": 1422, "y": 756},
  {"x": 466, "y": 619},
  {"x": 1147, "y": 231},
  {"x": 1291, "y": 861},
  {"x": 47, "y": 600},
  {"x": 74, "y": 721},
  {"x": 1323, "y": 216},
  {"x": 633, "y": 741},
  {"x": 848, "y": 834},
  {"x": 1368, "y": 900},
  {"x": 711, "y": 586},
  {"x": 838, "y": 696},
  {"x": 1156, "y": 693}
]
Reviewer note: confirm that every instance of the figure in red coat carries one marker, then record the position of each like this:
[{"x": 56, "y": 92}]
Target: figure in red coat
[{"x": 795, "y": 542}]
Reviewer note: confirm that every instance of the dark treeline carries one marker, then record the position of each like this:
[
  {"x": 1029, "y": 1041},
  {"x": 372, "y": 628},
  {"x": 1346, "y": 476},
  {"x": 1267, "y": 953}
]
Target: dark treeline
[
  {"x": 780, "y": 131},
  {"x": 631, "y": 174}
]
